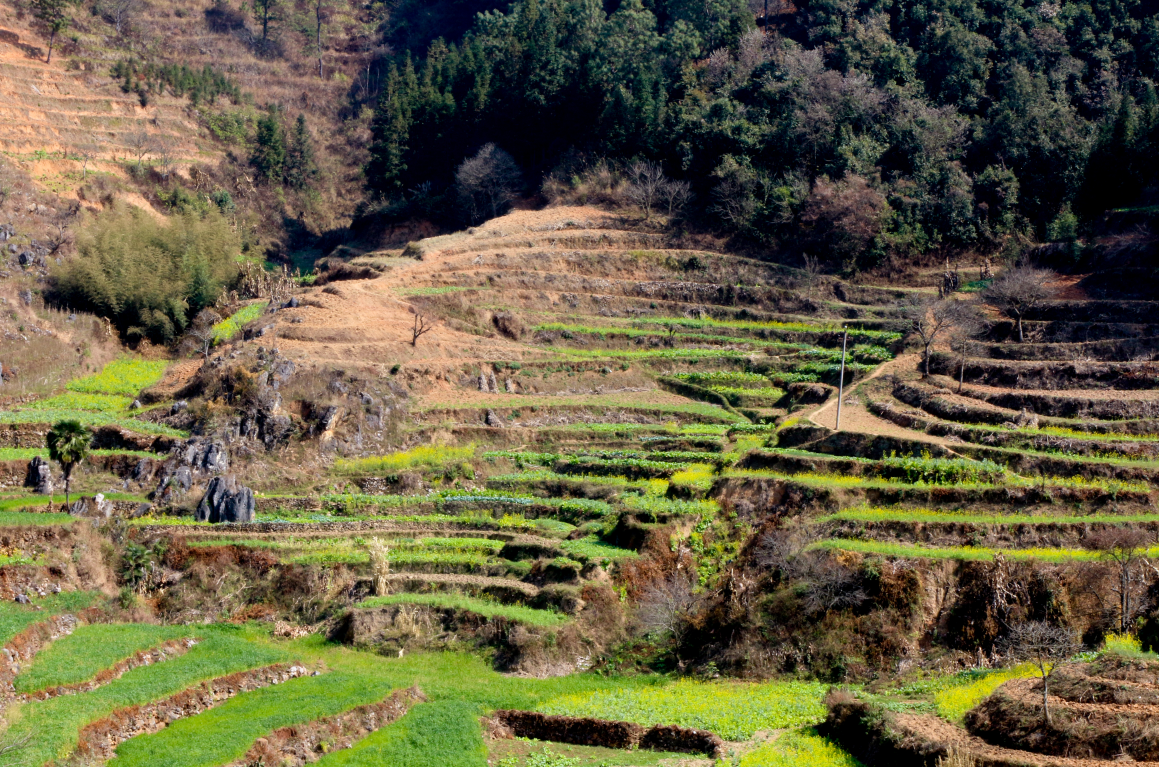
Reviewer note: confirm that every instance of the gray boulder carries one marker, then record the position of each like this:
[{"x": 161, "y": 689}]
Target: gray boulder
[
  {"x": 226, "y": 501},
  {"x": 39, "y": 476}
]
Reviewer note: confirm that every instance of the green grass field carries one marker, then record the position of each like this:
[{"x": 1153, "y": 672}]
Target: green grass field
[
  {"x": 81, "y": 655},
  {"x": 224, "y": 733},
  {"x": 14, "y": 617},
  {"x": 54, "y": 724}
]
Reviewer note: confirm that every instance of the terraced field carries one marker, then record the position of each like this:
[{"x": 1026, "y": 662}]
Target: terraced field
[
  {"x": 594, "y": 404},
  {"x": 214, "y": 694}
]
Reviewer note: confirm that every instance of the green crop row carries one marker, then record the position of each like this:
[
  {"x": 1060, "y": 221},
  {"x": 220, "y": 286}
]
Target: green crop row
[
  {"x": 232, "y": 325},
  {"x": 424, "y": 456},
  {"x": 710, "y": 377},
  {"x": 569, "y": 331},
  {"x": 734, "y": 711},
  {"x": 943, "y": 471},
  {"x": 1013, "y": 480},
  {"x": 89, "y": 650},
  {"x": 15, "y": 617},
  {"x": 655, "y": 506},
  {"x": 798, "y": 748},
  {"x": 125, "y": 376},
  {"x": 965, "y": 553},
  {"x": 71, "y": 400},
  {"x": 935, "y": 516},
  {"x": 592, "y": 549},
  {"x": 31, "y": 414},
  {"x": 857, "y": 335},
  {"x": 486, "y": 608}
]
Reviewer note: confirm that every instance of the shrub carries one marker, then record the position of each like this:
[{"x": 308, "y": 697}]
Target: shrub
[{"x": 146, "y": 276}]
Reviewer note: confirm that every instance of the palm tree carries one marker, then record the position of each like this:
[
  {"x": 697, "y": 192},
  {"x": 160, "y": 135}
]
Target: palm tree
[{"x": 68, "y": 445}]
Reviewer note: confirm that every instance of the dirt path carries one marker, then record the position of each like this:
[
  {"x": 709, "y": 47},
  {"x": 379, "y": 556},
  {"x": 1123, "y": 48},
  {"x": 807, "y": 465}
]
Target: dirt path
[
  {"x": 856, "y": 417},
  {"x": 930, "y": 728}
]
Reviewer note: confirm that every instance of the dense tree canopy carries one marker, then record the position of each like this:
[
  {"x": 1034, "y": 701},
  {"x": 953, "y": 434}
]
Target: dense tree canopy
[
  {"x": 855, "y": 129},
  {"x": 149, "y": 277}
]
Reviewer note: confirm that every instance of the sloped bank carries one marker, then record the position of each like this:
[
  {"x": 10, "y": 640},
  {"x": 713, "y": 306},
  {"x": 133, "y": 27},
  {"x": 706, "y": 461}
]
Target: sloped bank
[{"x": 582, "y": 731}]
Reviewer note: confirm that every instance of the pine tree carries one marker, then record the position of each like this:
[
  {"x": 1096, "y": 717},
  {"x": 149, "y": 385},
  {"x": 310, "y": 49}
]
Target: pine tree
[
  {"x": 269, "y": 155},
  {"x": 54, "y": 15},
  {"x": 390, "y": 130},
  {"x": 300, "y": 167},
  {"x": 265, "y": 10}
]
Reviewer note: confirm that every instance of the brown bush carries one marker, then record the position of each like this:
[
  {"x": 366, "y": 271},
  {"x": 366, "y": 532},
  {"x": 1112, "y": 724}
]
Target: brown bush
[{"x": 509, "y": 325}]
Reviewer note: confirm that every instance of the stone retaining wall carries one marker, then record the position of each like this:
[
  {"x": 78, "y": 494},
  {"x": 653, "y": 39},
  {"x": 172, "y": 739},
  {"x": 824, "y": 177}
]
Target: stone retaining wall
[
  {"x": 98, "y": 741},
  {"x": 605, "y": 733},
  {"x": 309, "y": 742}
]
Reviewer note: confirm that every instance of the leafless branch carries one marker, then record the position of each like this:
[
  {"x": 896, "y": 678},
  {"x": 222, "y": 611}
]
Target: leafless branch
[
  {"x": 1019, "y": 290},
  {"x": 421, "y": 326},
  {"x": 1045, "y": 645}
]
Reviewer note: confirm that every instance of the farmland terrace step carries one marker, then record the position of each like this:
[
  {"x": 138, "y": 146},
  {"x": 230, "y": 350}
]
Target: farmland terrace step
[
  {"x": 578, "y": 412},
  {"x": 655, "y": 290},
  {"x": 557, "y": 438},
  {"x": 761, "y": 496},
  {"x": 1018, "y": 535},
  {"x": 1101, "y": 404},
  {"x": 1093, "y": 445},
  {"x": 410, "y": 531},
  {"x": 482, "y": 583},
  {"x": 300, "y": 743},
  {"x": 1120, "y": 349},
  {"x": 1044, "y": 375},
  {"x": 940, "y": 398},
  {"x": 1141, "y": 312},
  {"x": 1063, "y": 331},
  {"x": 328, "y": 529},
  {"x": 819, "y": 439}
]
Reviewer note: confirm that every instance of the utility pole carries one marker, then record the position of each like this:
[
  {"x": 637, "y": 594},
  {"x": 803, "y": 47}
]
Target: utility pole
[{"x": 841, "y": 379}]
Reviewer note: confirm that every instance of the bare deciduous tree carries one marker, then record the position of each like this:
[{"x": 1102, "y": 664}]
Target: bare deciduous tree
[
  {"x": 60, "y": 224},
  {"x": 166, "y": 152},
  {"x": 811, "y": 270},
  {"x": 421, "y": 326},
  {"x": 1126, "y": 548},
  {"x": 1018, "y": 290},
  {"x": 1045, "y": 645},
  {"x": 830, "y": 585},
  {"x": 931, "y": 319},
  {"x": 487, "y": 182},
  {"x": 646, "y": 180},
  {"x": 675, "y": 195},
  {"x": 201, "y": 335},
  {"x": 86, "y": 154},
  {"x": 968, "y": 325},
  {"x": 666, "y": 606},
  {"x": 120, "y": 13},
  {"x": 141, "y": 143}
]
